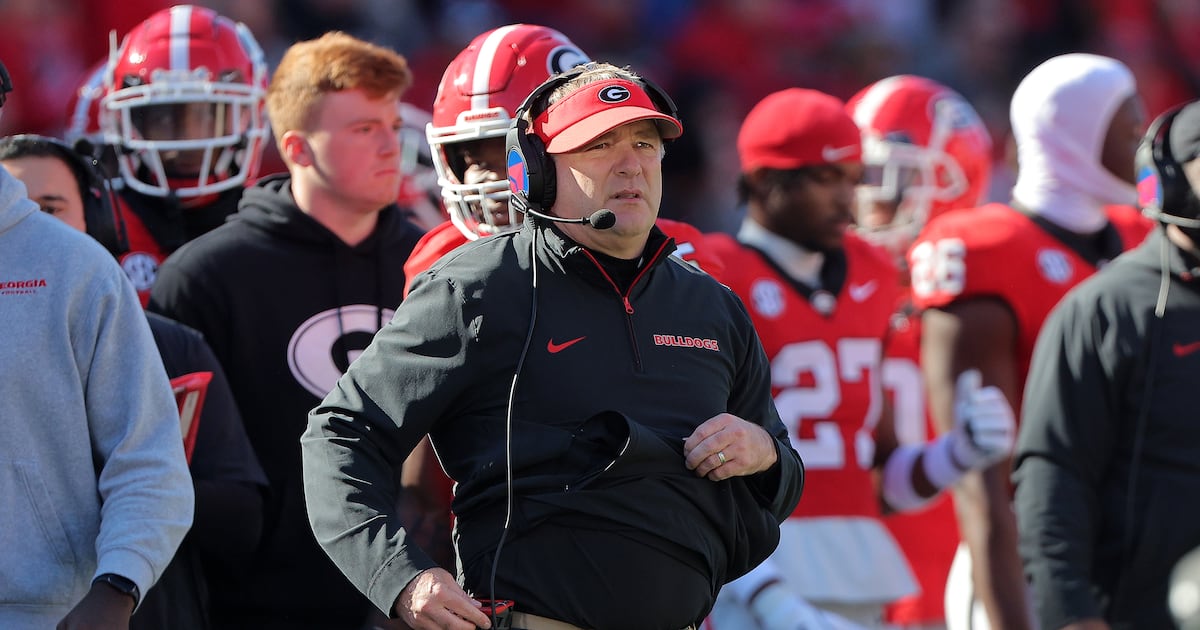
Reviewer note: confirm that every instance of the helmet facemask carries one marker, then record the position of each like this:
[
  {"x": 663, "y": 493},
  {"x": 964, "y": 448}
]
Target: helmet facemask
[
  {"x": 476, "y": 200},
  {"x": 908, "y": 179},
  {"x": 186, "y": 134},
  {"x": 925, "y": 152}
]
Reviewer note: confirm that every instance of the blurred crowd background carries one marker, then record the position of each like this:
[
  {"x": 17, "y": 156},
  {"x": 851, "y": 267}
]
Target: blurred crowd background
[{"x": 715, "y": 57}]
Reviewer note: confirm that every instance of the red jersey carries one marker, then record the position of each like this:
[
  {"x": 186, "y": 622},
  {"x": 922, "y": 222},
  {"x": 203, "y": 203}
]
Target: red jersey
[
  {"x": 143, "y": 254},
  {"x": 433, "y": 245},
  {"x": 929, "y": 537},
  {"x": 826, "y": 366},
  {"x": 689, "y": 245},
  {"x": 995, "y": 251},
  {"x": 152, "y": 232},
  {"x": 445, "y": 237}
]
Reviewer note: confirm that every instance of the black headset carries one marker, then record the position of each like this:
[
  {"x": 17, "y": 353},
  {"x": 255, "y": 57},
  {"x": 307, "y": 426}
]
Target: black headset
[
  {"x": 526, "y": 151},
  {"x": 1163, "y": 189},
  {"x": 101, "y": 212}
]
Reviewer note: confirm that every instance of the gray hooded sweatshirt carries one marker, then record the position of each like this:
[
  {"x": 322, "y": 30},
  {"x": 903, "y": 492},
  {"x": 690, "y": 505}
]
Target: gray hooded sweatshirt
[{"x": 92, "y": 473}]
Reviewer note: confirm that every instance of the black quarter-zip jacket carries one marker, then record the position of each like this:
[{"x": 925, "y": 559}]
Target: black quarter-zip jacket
[{"x": 609, "y": 528}]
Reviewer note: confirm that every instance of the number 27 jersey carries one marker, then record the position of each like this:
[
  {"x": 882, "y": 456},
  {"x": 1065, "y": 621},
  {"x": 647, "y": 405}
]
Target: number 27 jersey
[{"x": 825, "y": 366}]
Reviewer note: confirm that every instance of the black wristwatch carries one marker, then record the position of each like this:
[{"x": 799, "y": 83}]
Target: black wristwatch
[{"x": 122, "y": 584}]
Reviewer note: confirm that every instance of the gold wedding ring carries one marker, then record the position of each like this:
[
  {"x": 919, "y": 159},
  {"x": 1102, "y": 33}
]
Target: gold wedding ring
[{"x": 721, "y": 456}]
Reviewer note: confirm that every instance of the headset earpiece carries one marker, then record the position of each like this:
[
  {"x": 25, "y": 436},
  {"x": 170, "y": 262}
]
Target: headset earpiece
[
  {"x": 1160, "y": 179},
  {"x": 100, "y": 211},
  {"x": 531, "y": 175}
]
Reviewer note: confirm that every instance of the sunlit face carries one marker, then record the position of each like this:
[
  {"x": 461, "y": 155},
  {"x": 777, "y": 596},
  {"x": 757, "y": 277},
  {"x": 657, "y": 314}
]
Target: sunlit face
[
  {"x": 620, "y": 171},
  {"x": 354, "y": 149},
  {"x": 52, "y": 185}
]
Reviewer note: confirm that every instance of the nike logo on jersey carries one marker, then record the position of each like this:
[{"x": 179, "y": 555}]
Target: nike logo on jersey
[
  {"x": 555, "y": 348},
  {"x": 860, "y": 292},
  {"x": 832, "y": 154},
  {"x": 1184, "y": 349}
]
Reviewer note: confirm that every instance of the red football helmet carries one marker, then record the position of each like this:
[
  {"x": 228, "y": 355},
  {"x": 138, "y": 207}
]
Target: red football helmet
[
  {"x": 925, "y": 151},
  {"x": 480, "y": 91},
  {"x": 183, "y": 104}
]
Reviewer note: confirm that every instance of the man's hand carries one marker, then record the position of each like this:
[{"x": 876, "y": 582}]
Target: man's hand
[
  {"x": 984, "y": 427},
  {"x": 726, "y": 446},
  {"x": 434, "y": 601}
]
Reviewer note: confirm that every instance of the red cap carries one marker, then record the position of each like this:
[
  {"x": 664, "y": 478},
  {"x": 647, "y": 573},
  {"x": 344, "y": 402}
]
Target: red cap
[
  {"x": 798, "y": 127},
  {"x": 597, "y": 108}
]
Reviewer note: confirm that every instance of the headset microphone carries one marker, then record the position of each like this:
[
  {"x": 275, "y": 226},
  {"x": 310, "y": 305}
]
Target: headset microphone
[{"x": 601, "y": 219}]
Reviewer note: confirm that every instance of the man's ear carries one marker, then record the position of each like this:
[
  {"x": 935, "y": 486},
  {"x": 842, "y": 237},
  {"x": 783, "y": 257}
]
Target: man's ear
[{"x": 293, "y": 145}]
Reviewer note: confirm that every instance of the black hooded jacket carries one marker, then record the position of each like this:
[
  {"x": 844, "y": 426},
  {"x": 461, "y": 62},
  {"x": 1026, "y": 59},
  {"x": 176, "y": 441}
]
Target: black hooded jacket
[
  {"x": 285, "y": 305},
  {"x": 1107, "y": 462},
  {"x": 228, "y": 481}
]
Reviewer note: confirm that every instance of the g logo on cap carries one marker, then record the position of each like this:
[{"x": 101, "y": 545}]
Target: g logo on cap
[{"x": 614, "y": 94}]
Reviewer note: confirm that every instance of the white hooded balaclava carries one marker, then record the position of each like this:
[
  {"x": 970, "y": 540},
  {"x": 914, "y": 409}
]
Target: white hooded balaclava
[{"x": 1060, "y": 114}]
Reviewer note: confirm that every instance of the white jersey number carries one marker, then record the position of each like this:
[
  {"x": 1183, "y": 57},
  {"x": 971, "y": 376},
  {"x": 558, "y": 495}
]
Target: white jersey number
[
  {"x": 939, "y": 267},
  {"x": 853, "y": 361},
  {"x": 902, "y": 381}
]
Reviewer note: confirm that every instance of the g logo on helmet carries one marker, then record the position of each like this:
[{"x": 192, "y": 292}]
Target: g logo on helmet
[
  {"x": 614, "y": 94},
  {"x": 564, "y": 58}
]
